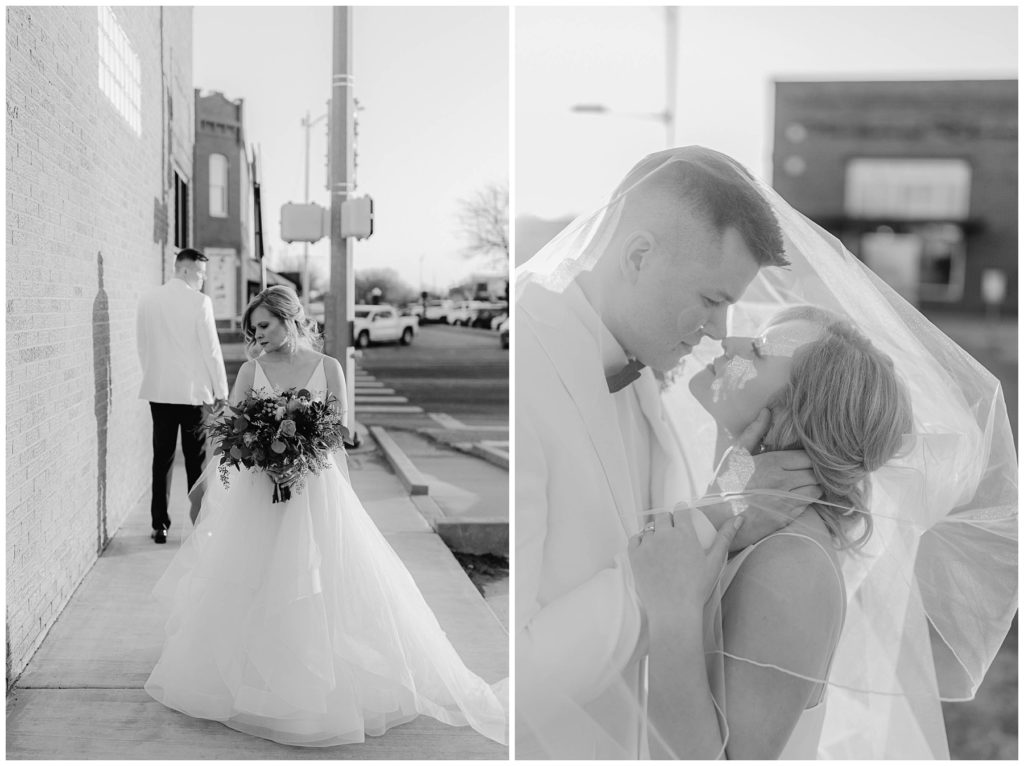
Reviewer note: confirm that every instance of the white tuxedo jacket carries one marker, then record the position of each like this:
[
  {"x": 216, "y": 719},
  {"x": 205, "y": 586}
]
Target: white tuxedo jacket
[
  {"x": 579, "y": 640},
  {"x": 178, "y": 346}
]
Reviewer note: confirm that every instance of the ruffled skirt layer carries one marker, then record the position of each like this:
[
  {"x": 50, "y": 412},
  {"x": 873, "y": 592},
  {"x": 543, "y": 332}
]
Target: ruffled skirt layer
[{"x": 297, "y": 622}]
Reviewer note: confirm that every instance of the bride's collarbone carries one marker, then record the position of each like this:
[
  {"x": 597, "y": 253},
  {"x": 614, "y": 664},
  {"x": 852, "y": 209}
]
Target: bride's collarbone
[{"x": 292, "y": 373}]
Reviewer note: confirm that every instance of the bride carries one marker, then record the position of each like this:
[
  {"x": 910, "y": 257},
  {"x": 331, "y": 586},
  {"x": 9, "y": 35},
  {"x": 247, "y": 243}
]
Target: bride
[
  {"x": 296, "y": 621},
  {"x": 828, "y": 390}
]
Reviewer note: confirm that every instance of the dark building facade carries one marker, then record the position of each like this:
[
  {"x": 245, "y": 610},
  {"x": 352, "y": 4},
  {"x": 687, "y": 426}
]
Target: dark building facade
[
  {"x": 223, "y": 204},
  {"x": 919, "y": 180}
]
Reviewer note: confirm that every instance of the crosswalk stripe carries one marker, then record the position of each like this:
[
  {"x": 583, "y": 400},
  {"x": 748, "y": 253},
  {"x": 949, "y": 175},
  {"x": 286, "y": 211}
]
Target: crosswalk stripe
[
  {"x": 384, "y": 408},
  {"x": 447, "y": 420},
  {"x": 381, "y": 399}
]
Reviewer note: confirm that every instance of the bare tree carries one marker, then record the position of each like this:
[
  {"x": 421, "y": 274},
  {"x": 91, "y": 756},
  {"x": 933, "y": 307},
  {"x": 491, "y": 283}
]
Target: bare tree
[
  {"x": 393, "y": 289},
  {"x": 319, "y": 268},
  {"x": 483, "y": 223}
]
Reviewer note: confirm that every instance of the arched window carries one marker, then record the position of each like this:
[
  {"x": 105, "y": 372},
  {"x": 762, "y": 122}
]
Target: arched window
[{"x": 218, "y": 186}]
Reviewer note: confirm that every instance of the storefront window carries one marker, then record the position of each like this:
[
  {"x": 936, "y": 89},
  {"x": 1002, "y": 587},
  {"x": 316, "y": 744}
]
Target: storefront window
[{"x": 908, "y": 189}]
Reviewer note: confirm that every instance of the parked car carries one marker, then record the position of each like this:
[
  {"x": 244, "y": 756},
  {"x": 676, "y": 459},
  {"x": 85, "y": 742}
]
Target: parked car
[
  {"x": 436, "y": 311},
  {"x": 382, "y": 323},
  {"x": 458, "y": 314},
  {"x": 505, "y": 331},
  {"x": 498, "y": 319},
  {"x": 484, "y": 314},
  {"x": 474, "y": 313}
]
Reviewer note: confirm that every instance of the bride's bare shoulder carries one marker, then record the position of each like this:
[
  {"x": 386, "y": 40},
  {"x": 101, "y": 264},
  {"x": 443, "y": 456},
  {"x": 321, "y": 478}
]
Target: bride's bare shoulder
[{"x": 788, "y": 592}]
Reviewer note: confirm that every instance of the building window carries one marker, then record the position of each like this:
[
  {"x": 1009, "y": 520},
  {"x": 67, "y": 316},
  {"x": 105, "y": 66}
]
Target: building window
[
  {"x": 921, "y": 261},
  {"x": 908, "y": 189},
  {"x": 180, "y": 211},
  {"x": 120, "y": 75},
  {"x": 218, "y": 186}
]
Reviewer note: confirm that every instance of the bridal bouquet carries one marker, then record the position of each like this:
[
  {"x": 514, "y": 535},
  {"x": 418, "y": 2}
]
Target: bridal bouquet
[{"x": 289, "y": 436}]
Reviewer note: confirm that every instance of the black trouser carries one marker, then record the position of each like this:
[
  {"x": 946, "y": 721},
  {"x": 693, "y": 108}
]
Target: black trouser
[{"x": 166, "y": 420}]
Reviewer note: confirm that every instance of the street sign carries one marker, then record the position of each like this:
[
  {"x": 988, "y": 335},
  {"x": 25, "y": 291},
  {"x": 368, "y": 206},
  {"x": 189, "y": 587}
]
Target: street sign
[
  {"x": 304, "y": 223},
  {"x": 357, "y": 217}
]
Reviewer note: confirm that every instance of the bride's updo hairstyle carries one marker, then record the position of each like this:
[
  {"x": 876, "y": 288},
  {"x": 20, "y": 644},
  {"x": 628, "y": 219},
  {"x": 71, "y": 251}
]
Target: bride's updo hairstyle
[
  {"x": 283, "y": 303},
  {"x": 845, "y": 407}
]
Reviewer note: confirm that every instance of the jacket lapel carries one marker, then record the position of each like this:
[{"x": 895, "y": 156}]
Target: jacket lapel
[
  {"x": 575, "y": 357},
  {"x": 670, "y": 477}
]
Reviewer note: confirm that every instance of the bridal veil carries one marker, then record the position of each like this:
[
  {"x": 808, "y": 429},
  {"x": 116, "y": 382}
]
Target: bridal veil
[{"x": 930, "y": 597}]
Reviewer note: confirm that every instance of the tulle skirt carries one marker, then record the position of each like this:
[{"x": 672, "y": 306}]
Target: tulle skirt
[{"x": 297, "y": 622}]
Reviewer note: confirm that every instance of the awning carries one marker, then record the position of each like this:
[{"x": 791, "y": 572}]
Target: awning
[{"x": 252, "y": 274}]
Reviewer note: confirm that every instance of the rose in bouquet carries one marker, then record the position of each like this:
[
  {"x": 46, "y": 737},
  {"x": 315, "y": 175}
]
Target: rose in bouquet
[{"x": 289, "y": 436}]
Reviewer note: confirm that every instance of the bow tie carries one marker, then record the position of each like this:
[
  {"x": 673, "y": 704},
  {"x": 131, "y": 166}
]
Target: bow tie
[{"x": 625, "y": 376}]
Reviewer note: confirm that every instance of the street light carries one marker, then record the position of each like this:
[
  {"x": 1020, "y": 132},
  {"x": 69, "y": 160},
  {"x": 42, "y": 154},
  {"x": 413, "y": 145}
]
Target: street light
[
  {"x": 668, "y": 115},
  {"x": 307, "y": 124}
]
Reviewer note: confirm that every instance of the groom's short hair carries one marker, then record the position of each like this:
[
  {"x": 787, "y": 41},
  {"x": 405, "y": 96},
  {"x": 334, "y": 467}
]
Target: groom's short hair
[
  {"x": 190, "y": 254},
  {"x": 714, "y": 187}
]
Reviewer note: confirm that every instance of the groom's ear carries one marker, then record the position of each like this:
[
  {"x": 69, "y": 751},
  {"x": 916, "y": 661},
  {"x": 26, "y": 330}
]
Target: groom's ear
[{"x": 636, "y": 253}]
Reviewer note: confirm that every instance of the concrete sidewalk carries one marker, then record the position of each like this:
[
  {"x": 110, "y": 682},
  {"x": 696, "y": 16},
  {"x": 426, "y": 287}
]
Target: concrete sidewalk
[
  {"x": 464, "y": 497},
  {"x": 81, "y": 696}
]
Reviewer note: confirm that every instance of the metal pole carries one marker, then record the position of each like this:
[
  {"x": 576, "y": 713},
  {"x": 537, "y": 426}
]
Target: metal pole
[
  {"x": 338, "y": 309},
  {"x": 671, "y": 66},
  {"x": 305, "y": 245}
]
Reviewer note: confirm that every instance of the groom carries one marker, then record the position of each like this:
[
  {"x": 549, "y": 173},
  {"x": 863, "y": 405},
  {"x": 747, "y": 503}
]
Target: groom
[
  {"x": 182, "y": 369},
  {"x": 593, "y": 450}
]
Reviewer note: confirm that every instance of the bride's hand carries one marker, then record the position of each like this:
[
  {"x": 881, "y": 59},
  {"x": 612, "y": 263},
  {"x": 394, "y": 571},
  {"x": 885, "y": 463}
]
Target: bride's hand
[
  {"x": 784, "y": 470},
  {"x": 672, "y": 573},
  {"x": 285, "y": 477}
]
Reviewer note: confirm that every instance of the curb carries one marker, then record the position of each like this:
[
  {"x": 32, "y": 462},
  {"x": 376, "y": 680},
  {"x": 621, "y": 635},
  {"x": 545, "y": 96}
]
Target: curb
[
  {"x": 493, "y": 456},
  {"x": 490, "y": 454},
  {"x": 465, "y": 535},
  {"x": 477, "y": 536},
  {"x": 413, "y": 481}
]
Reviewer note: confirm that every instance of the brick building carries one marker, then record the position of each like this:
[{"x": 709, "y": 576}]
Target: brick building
[
  {"x": 223, "y": 203},
  {"x": 919, "y": 180},
  {"x": 99, "y": 172}
]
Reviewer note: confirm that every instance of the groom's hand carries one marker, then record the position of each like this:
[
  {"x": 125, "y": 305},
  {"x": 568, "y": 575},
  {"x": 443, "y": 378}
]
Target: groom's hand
[
  {"x": 785, "y": 471},
  {"x": 672, "y": 572}
]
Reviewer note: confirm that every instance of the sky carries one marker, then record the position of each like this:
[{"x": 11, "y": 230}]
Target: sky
[
  {"x": 567, "y": 163},
  {"x": 433, "y": 86}
]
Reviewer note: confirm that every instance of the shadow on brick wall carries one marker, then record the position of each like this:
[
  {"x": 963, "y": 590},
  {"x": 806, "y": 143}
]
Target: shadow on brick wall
[{"x": 101, "y": 379}]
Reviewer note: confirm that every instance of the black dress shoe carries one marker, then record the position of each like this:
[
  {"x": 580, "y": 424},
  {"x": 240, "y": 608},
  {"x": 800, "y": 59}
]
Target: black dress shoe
[{"x": 159, "y": 536}]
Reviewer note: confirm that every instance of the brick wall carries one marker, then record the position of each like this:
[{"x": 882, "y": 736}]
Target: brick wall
[{"x": 89, "y": 228}]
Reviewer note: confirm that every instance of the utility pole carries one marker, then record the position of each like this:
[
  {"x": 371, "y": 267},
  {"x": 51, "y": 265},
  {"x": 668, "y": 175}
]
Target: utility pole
[
  {"x": 338, "y": 311},
  {"x": 307, "y": 124},
  {"x": 671, "y": 65}
]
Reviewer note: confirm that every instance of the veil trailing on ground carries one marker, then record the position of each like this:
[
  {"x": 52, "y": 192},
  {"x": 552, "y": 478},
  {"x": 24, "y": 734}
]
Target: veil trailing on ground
[{"x": 931, "y": 595}]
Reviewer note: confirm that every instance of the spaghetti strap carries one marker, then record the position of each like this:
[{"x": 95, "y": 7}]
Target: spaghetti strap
[
  {"x": 835, "y": 570},
  {"x": 256, "y": 378}
]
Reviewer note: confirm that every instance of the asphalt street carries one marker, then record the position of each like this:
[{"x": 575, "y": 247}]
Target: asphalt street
[{"x": 458, "y": 371}]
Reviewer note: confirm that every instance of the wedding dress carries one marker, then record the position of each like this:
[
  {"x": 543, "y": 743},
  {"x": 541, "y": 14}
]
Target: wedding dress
[{"x": 297, "y": 622}]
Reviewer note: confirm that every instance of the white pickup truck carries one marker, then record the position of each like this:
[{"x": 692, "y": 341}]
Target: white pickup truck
[{"x": 381, "y": 324}]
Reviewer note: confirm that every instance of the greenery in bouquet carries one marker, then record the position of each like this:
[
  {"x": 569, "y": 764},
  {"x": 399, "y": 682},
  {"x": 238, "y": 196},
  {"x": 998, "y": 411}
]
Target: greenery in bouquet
[{"x": 289, "y": 436}]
